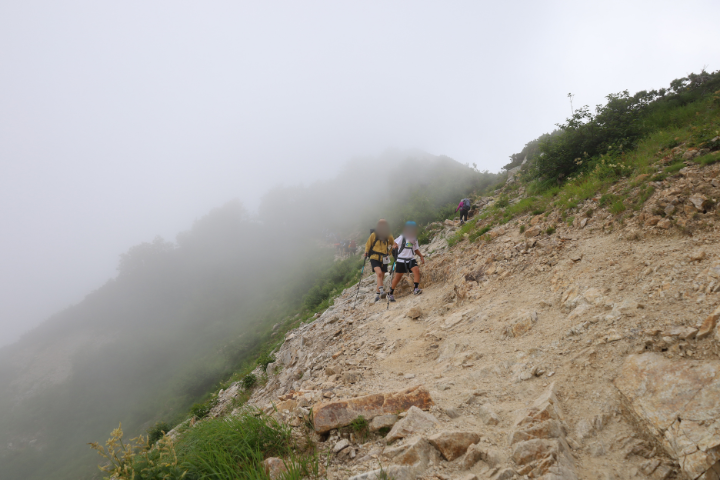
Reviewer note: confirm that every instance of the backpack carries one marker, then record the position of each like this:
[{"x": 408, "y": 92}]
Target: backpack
[
  {"x": 397, "y": 251},
  {"x": 466, "y": 203}
]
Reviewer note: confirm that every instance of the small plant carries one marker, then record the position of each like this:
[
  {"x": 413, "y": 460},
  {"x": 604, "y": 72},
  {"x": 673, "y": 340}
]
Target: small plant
[
  {"x": 265, "y": 359},
  {"x": 589, "y": 213},
  {"x": 550, "y": 230},
  {"x": 360, "y": 426},
  {"x": 538, "y": 212},
  {"x": 570, "y": 220},
  {"x": 201, "y": 410},
  {"x": 502, "y": 202},
  {"x": 249, "y": 381},
  {"x": 522, "y": 228},
  {"x": 157, "y": 431},
  {"x": 617, "y": 207}
]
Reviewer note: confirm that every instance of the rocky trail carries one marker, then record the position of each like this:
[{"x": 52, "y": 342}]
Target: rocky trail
[{"x": 587, "y": 353}]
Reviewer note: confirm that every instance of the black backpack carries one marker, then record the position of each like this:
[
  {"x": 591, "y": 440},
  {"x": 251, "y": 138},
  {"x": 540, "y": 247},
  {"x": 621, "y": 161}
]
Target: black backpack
[{"x": 466, "y": 203}]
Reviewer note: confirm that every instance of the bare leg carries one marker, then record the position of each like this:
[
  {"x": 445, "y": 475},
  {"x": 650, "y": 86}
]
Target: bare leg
[
  {"x": 416, "y": 274},
  {"x": 380, "y": 277},
  {"x": 396, "y": 279}
]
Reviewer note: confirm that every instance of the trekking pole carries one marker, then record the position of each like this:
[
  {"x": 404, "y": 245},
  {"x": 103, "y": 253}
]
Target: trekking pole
[
  {"x": 392, "y": 275},
  {"x": 359, "y": 281}
]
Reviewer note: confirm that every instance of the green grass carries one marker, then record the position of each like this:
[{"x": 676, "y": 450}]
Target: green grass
[
  {"x": 617, "y": 207},
  {"x": 708, "y": 159},
  {"x": 222, "y": 448}
]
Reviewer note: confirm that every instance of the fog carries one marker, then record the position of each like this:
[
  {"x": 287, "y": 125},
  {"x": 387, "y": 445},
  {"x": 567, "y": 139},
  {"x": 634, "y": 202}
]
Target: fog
[{"x": 120, "y": 121}]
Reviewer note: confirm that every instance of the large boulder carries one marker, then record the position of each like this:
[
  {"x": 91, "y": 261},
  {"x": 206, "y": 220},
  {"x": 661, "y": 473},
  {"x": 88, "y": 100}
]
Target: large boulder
[
  {"x": 678, "y": 403},
  {"x": 330, "y": 415}
]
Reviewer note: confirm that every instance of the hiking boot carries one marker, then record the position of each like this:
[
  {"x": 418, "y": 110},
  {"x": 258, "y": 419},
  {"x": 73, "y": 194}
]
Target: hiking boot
[
  {"x": 377, "y": 297},
  {"x": 391, "y": 297},
  {"x": 417, "y": 291}
]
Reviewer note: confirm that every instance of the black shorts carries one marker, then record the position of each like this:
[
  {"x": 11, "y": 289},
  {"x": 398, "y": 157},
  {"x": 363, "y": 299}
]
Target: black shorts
[
  {"x": 402, "y": 267},
  {"x": 378, "y": 263}
]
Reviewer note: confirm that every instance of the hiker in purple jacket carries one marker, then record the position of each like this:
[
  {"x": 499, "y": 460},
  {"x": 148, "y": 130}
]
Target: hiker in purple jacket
[{"x": 464, "y": 207}]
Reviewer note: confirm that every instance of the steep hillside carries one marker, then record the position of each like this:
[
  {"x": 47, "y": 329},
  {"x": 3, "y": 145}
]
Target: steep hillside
[
  {"x": 540, "y": 354},
  {"x": 567, "y": 331}
]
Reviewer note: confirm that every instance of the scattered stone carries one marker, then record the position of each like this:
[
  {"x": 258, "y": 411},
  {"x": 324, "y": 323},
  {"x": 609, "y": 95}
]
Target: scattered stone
[
  {"x": 532, "y": 232},
  {"x": 350, "y": 377},
  {"x": 327, "y": 416},
  {"x": 452, "y": 445},
  {"x": 505, "y": 474},
  {"x": 416, "y": 421},
  {"x": 342, "y": 444},
  {"x": 416, "y": 453},
  {"x": 488, "y": 416},
  {"x": 395, "y": 472},
  {"x": 332, "y": 370},
  {"x": 414, "y": 313},
  {"x": 383, "y": 421},
  {"x": 468, "y": 476},
  {"x": 452, "y": 412},
  {"x": 709, "y": 324},
  {"x": 683, "y": 333},
  {"x": 649, "y": 466},
  {"x": 476, "y": 453},
  {"x": 274, "y": 467},
  {"x": 700, "y": 202},
  {"x": 697, "y": 255},
  {"x": 522, "y": 324},
  {"x": 664, "y": 224}
]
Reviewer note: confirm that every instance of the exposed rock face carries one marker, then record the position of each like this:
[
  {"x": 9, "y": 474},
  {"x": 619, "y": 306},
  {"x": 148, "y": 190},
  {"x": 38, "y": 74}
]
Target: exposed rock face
[
  {"x": 538, "y": 441},
  {"x": 452, "y": 445},
  {"x": 678, "y": 403},
  {"x": 327, "y": 416}
]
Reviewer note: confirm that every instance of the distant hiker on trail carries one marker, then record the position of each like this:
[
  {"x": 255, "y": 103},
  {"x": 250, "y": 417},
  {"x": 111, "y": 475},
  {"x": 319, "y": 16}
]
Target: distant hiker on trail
[
  {"x": 407, "y": 247},
  {"x": 464, "y": 207},
  {"x": 377, "y": 249}
]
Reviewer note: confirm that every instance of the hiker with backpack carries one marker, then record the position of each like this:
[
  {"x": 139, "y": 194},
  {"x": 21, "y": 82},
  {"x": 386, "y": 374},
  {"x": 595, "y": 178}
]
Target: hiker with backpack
[
  {"x": 464, "y": 207},
  {"x": 406, "y": 247},
  {"x": 377, "y": 249}
]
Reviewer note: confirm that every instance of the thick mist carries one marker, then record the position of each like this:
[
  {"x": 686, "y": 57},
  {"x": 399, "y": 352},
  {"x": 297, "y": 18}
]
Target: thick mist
[
  {"x": 184, "y": 313},
  {"x": 120, "y": 121}
]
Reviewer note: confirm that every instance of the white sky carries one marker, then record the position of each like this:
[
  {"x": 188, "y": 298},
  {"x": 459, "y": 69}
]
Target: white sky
[{"x": 121, "y": 120}]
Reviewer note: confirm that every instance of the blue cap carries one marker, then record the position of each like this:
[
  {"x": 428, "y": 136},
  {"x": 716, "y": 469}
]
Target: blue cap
[{"x": 410, "y": 224}]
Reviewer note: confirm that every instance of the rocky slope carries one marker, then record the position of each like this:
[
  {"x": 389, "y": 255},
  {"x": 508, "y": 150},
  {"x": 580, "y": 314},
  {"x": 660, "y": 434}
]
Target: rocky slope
[{"x": 587, "y": 353}]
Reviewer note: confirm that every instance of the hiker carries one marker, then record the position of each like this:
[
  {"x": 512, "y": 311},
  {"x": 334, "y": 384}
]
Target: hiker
[
  {"x": 377, "y": 249},
  {"x": 352, "y": 246},
  {"x": 407, "y": 247},
  {"x": 464, "y": 207}
]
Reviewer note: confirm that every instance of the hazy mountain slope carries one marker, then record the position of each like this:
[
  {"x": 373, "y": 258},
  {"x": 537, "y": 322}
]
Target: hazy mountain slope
[{"x": 181, "y": 316}]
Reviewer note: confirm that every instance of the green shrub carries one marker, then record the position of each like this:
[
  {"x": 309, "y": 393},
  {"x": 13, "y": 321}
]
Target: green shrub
[
  {"x": 502, "y": 202},
  {"x": 608, "y": 199},
  {"x": 617, "y": 207},
  {"x": 550, "y": 230},
  {"x": 522, "y": 228},
  {"x": 265, "y": 359},
  {"x": 670, "y": 169},
  {"x": 570, "y": 220},
  {"x": 157, "y": 431},
  {"x": 249, "y": 381},
  {"x": 233, "y": 447},
  {"x": 200, "y": 410}
]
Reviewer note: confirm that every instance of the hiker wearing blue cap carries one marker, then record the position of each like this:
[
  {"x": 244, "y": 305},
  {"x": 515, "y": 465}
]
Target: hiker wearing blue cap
[{"x": 406, "y": 247}]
